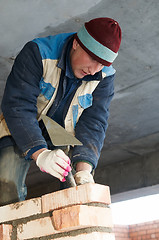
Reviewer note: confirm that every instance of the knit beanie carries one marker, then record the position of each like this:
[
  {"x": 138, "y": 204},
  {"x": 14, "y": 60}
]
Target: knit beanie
[{"x": 100, "y": 38}]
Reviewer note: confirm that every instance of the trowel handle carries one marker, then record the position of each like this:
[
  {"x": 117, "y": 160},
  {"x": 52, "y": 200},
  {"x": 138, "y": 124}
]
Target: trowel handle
[
  {"x": 66, "y": 150},
  {"x": 70, "y": 181}
]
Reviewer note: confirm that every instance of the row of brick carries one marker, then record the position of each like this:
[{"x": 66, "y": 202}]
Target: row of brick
[
  {"x": 144, "y": 231},
  {"x": 121, "y": 232},
  {"x": 6, "y": 234},
  {"x": 147, "y": 231},
  {"x": 76, "y": 213}
]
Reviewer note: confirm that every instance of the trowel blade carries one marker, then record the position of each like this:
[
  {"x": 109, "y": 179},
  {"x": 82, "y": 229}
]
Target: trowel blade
[{"x": 58, "y": 135}]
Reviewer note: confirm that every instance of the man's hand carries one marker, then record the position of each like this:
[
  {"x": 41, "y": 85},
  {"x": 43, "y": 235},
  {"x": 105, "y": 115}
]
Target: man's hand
[
  {"x": 55, "y": 162},
  {"x": 83, "y": 174},
  {"x": 83, "y": 177}
]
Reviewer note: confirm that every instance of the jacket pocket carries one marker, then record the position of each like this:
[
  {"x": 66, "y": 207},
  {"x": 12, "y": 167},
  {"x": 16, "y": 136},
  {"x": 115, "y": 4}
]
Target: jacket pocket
[
  {"x": 85, "y": 101},
  {"x": 46, "y": 89}
]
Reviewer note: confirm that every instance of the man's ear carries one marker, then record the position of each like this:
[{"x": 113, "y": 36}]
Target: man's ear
[{"x": 75, "y": 44}]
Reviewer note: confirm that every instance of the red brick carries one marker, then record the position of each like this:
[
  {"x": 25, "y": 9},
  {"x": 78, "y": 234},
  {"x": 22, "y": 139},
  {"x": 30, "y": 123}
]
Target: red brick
[
  {"x": 151, "y": 231},
  {"x": 35, "y": 228},
  {"x": 81, "y": 216},
  {"x": 5, "y": 231},
  {"x": 20, "y": 210},
  {"x": 133, "y": 234},
  {"x": 87, "y": 193},
  {"x": 121, "y": 232},
  {"x": 121, "y": 238}
]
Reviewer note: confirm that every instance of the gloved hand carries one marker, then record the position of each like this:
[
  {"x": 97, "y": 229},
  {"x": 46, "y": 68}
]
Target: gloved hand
[
  {"x": 83, "y": 177},
  {"x": 54, "y": 162}
]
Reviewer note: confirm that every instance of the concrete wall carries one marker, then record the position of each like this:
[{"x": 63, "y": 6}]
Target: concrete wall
[{"x": 135, "y": 173}]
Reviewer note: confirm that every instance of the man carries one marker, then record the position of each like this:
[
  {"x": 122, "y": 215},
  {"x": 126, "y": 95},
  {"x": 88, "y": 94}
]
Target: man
[{"x": 69, "y": 78}]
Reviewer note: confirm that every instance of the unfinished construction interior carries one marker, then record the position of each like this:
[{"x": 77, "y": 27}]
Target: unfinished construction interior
[{"x": 129, "y": 160}]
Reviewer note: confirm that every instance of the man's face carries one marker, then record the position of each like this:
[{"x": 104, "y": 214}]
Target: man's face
[{"x": 82, "y": 63}]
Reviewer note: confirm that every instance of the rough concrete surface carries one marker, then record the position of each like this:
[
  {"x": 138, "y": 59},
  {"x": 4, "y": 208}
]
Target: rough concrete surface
[{"x": 133, "y": 124}]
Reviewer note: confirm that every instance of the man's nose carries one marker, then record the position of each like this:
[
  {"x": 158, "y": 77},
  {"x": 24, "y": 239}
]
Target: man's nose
[{"x": 95, "y": 67}]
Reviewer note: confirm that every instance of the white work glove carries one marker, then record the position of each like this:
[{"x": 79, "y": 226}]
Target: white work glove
[
  {"x": 54, "y": 162},
  {"x": 83, "y": 177}
]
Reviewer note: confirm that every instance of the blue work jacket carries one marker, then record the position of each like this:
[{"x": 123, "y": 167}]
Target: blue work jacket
[{"x": 19, "y": 104}]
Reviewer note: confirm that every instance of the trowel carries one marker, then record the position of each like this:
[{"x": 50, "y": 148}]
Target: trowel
[{"x": 61, "y": 138}]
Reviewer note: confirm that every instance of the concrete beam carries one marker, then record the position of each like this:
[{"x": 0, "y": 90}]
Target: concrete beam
[{"x": 136, "y": 173}]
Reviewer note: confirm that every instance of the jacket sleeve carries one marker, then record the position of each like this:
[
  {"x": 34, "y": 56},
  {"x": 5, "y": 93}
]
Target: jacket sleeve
[
  {"x": 92, "y": 125},
  {"x": 20, "y": 98}
]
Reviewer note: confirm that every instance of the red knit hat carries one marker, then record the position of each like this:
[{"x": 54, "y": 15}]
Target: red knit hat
[{"x": 100, "y": 38}]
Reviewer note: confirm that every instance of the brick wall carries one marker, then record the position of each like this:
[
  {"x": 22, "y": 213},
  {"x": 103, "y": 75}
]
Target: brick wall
[
  {"x": 142, "y": 231},
  {"x": 121, "y": 232},
  {"x": 146, "y": 231},
  {"x": 79, "y": 213}
]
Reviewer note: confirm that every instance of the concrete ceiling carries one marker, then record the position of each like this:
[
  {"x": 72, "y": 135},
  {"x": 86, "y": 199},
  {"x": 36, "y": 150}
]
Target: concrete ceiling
[{"x": 130, "y": 154}]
